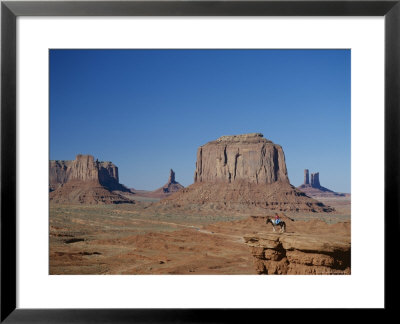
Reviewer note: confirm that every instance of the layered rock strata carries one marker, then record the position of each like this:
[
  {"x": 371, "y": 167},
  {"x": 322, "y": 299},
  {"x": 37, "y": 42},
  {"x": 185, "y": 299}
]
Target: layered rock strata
[
  {"x": 87, "y": 192},
  {"x": 239, "y": 171},
  {"x": 301, "y": 254},
  {"x": 244, "y": 196}
]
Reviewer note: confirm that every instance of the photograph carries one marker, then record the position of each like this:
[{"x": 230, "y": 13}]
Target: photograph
[
  {"x": 211, "y": 158},
  {"x": 199, "y": 161}
]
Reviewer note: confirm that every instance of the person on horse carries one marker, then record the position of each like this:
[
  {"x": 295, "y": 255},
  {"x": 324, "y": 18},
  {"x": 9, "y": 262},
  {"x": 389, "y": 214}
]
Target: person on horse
[{"x": 276, "y": 222}]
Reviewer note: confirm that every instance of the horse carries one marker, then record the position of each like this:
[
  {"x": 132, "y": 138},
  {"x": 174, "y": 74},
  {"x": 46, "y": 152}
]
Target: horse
[{"x": 281, "y": 223}]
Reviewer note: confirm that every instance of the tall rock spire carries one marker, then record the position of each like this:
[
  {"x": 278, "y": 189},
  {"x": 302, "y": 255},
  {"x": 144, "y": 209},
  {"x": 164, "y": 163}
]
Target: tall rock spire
[
  {"x": 171, "y": 176},
  {"x": 171, "y": 186},
  {"x": 315, "y": 180},
  {"x": 306, "y": 177}
]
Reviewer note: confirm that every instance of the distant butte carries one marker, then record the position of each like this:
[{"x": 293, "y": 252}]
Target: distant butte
[
  {"x": 314, "y": 188},
  {"x": 85, "y": 180}
]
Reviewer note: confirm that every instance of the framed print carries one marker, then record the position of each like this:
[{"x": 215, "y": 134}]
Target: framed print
[{"x": 188, "y": 150}]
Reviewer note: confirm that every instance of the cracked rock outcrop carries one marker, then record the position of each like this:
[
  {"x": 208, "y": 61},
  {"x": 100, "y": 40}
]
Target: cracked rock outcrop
[{"x": 301, "y": 254}]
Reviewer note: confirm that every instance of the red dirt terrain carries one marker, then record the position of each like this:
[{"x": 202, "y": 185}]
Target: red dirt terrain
[{"x": 134, "y": 239}]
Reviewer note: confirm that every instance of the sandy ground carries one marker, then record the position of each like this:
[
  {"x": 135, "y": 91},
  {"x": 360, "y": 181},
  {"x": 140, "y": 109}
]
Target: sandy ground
[{"x": 142, "y": 239}]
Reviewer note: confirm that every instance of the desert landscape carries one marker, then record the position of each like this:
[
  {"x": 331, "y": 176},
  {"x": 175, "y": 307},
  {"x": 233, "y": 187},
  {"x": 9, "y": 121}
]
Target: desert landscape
[{"x": 217, "y": 225}]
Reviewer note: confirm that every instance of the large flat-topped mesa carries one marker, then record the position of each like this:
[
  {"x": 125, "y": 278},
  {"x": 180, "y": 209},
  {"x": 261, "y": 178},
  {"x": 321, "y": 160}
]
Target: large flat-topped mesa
[
  {"x": 241, "y": 172},
  {"x": 247, "y": 157}
]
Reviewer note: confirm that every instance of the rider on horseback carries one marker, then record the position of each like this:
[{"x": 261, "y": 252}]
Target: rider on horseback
[{"x": 276, "y": 222}]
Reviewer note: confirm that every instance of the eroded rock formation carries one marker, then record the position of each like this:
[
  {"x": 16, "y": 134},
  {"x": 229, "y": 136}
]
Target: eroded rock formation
[
  {"x": 301, "y": 254},
  {"x": 84, "y": 168},
  {"x": 314, "y": 189},
  {"x": 248, "y": 157},
  {"x": 239, "y": 171},
  {"x": 166, "y": 190},
  {"x": 85, "y": 180},
  {"x": 315, "y": 180},
  {"x": 171, "y": 178},
  {"x": 306, "y": 177},
  {"x": 58, "y": 173},
  {"x": 169, "y": 188}
]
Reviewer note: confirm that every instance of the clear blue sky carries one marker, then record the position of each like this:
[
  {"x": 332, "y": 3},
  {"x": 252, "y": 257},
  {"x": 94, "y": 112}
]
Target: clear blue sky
[{"x": 149, "y": 110}]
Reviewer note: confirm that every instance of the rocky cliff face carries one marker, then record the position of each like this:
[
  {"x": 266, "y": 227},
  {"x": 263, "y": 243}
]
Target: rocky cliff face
[
  {"x": 84, "y": 168},
  {"x": 249, "y": 157},
  {"x": 108, "y": 176},
  {"x": 58, "y": 173},
  {"x": 302, "y": 254}
]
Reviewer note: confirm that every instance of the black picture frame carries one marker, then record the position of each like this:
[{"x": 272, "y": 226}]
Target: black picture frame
[{"x": 10, "y": 10}]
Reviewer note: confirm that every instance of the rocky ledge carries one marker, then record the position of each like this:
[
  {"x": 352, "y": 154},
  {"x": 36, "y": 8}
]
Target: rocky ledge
[
  {"x": 242, "y": 138},
  {"x": 302, "y": 254}
]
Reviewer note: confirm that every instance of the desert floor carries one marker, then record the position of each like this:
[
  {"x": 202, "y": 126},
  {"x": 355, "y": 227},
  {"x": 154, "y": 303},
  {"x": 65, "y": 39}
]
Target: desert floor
[{"x": 144, "y": 238}]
